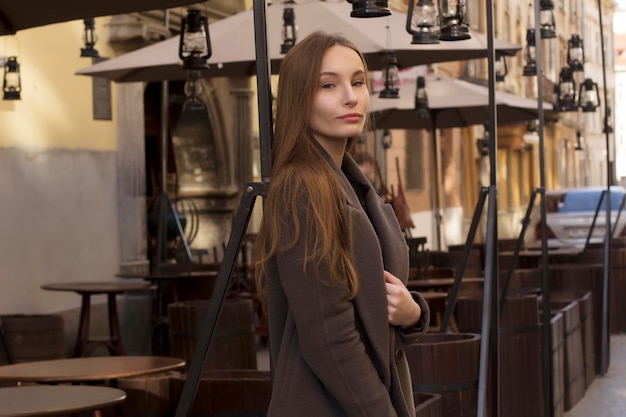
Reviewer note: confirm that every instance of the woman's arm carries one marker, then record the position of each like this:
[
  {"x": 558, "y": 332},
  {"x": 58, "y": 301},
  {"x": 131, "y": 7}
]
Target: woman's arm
[{"x": 406, "y": 309}]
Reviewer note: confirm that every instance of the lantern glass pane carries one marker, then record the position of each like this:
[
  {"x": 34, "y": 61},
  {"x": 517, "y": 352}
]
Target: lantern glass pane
[
  {"x": 425, "y": 16},
  {"x": 195, "y": 43}
]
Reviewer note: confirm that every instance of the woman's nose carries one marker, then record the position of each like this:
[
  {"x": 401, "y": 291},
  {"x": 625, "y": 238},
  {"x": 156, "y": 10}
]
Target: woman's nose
[{"x": 349, "y": 98}]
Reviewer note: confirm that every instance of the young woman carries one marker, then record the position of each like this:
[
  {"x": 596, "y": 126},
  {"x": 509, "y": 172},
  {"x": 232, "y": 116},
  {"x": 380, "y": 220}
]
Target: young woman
[{"x": 331, "y": 259}]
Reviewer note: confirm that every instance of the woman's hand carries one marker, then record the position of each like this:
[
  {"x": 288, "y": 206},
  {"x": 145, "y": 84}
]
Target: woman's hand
[{"x": 402, "y": 310}]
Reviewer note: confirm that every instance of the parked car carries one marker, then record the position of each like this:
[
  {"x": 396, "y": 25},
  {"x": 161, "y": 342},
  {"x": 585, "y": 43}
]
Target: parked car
[{"x": 570, "y": 213}]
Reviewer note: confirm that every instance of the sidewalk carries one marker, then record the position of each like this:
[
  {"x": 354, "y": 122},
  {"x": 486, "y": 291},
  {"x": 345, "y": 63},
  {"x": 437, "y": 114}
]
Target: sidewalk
[{"x": 606, "y": 397}]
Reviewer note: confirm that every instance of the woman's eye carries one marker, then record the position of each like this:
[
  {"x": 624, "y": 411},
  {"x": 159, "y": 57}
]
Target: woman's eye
[
  {"x": 358, "y": 83},
  {"x": 327, "y": 85}
]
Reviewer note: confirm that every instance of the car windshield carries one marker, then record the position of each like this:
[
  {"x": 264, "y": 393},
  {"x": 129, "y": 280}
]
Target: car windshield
[{"x": 582, "y": 200}]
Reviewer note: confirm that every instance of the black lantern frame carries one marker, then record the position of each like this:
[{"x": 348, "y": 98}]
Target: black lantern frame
[
  {"x": 421, "y": 98},
  {"x": 290, "y": 30},
  {"x": 425, "y": 15},
  {"x": 547, "y": 20},
  {"x": 579, "y": 141},
  {"x": 452, "y": 15},
  {"x": 195, "y": 45},
  {"x": 390, "y": 76},
  {"x": 501, "y": 68},
  {"x": 90, "y": 37},
  {"x": 588, "y": 96},
  {"x": 369, "y": 8},
  {"x": 12, "y": 80},
  {"x": 576, "y": 53},
  {"x": 530, "y": 54},
  {"x": 566, "y": 91}
]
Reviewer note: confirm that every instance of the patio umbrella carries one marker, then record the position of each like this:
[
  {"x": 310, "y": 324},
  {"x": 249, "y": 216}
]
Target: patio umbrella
[
  {"x": 232, "y": 42},
  {"x": 452, "y": 103},
  {"x": 24, "y": 14}
]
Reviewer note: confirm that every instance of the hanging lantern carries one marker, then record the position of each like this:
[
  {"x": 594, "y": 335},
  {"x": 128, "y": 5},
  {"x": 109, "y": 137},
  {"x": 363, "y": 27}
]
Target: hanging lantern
[
  {"x": 452, "y": 14},
  {"x": 390, "y": 76},
  {"x": 532, "y": 126},
  {"x": 546, "y": 19},
  {"x": 500, "y": 67},
  {"x": 530, "y": 54},
  {"x": 575, "y": 53},
  {"x": 90, "y": 37},
  {"x": 421, "y": 99},
  {"x": 195, "y": 46},
  {"x": 579, "y": 141},
  {"x": 422, "y": 21},
  {"x": 566, "y": 91},
  {"x": 12, "y": 83},
  {"x": 588, "y": 96},
  {"x": 369, "y": 8},
  {"x": 289, "y": 29}
]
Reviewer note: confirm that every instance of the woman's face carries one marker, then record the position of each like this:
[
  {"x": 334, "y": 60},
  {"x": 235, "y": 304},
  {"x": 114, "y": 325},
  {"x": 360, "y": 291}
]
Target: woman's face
[{"x": 340, "y": 104}]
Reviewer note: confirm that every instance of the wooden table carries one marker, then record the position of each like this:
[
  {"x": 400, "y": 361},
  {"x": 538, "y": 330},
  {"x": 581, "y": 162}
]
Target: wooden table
[
  {"x": 86, "y": 289},
  {"x": 56, "y": 400},
  {"x": 90, "y": 369},
  {"x": 442, "y": 284}
]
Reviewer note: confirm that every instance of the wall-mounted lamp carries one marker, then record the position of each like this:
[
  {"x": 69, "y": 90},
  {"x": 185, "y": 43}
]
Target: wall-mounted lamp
[
  {"x": 422, "y": 21},
  {"x": 369, "y": 8},
  {"x": 530, "y": 54},
  {"x": 547, "y": 21},
  {"x": 453, "y": 26},
  {"x": 421, "y": 98},
  {"x": 532, "y": 126},
  {"x": 12, "y": 82},
  {"x": 195, "y": 46},
  {"x": 575, "y": 53},
  {"x": 90, "y": 37},
  {"x": 501, "y": 68},
  {"x": 588, "y": 96},
  {"x": 390, "y": 75},
  {"x": 289, "y": 29},
  {"x": 386, "y": 140},
  {"x": 566, "y": 91},
  {"x": 579, "y": 141}
]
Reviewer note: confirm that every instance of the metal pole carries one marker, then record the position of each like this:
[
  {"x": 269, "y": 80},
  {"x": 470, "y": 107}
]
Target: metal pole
[
  {"x": 491, "y": 320},
  {"x": 242, "y": 217},
  {"x": 546, "y": 354},
  {"x": 605, "y": 350}
]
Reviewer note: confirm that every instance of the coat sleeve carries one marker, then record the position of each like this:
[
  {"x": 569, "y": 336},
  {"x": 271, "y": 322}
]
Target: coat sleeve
[
  {"x": 410, "y": 335},
  {"x": 329, "y": 341}
]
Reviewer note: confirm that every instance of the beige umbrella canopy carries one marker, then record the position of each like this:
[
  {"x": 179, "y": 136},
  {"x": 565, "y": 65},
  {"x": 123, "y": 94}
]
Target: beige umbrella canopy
[
  {"x": 452, "y": 103},
  {"x": 232, "y": 42},
  {"x": 23, "y": 14}
]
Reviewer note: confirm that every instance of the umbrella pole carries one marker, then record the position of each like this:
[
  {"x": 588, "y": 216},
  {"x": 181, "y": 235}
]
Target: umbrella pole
[
  {"x": 436, "y": 194},
  {"x": 164, "y": 202},
  {"x": 490, "y": 340},
  {"x": 242, "y": 217},
  {"x": 605, "y": 352},
  {"x": 546, "y": 354}
]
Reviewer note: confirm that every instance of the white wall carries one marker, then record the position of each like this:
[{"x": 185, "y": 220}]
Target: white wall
[{"x": 58, "y": 224}]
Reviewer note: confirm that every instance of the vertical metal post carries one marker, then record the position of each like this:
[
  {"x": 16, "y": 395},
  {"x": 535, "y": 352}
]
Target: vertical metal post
[
  {"x": 546, "y": 354},
  {"x": 491, "y": 320},
  {"x": 605, "y": 350}
]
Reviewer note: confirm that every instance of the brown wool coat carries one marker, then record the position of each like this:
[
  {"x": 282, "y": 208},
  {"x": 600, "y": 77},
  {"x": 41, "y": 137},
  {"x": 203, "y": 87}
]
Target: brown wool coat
[{"x": 332, "y": 356}]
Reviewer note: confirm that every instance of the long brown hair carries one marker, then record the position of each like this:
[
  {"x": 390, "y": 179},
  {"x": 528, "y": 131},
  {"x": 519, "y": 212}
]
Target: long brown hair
[{"x": 299, "y": 171}]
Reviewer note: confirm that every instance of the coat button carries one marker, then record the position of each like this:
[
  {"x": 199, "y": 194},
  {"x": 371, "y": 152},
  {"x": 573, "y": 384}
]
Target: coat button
[{"x": 398, "y": 355}]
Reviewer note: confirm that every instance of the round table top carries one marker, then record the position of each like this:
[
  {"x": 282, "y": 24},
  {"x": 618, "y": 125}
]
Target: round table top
[
  {"x": 165, "y": 276},
  {"x": 93, "y": 368},
  {"x": 101, "y": 287},
  {"x": 56, "y": 400},
  {"x": 435, "y": 283}
]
